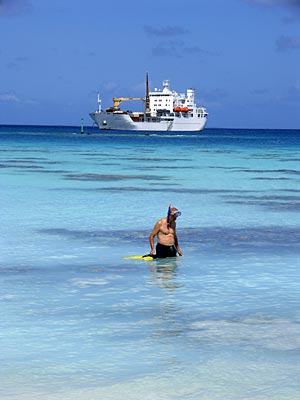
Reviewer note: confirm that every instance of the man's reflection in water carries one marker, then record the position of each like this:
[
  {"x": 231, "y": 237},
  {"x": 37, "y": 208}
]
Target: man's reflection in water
[
  {"x": 167, "y": 314},
  {"x": 165, "y": 272}
]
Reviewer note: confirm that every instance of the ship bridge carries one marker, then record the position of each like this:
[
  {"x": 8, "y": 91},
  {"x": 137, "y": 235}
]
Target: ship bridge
[{"x": 162, "y": 99}]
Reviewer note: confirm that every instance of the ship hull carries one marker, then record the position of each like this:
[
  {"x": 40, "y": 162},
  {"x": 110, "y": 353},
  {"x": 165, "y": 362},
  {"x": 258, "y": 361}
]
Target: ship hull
[{"x": 123, "y": 122}]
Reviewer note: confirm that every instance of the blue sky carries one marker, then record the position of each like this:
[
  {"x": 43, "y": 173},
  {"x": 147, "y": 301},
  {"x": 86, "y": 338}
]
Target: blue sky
[{"x": 241, "y": 56}]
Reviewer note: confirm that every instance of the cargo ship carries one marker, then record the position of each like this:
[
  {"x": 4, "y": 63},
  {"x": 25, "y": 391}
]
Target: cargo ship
[{"x": 163, "y": 110}]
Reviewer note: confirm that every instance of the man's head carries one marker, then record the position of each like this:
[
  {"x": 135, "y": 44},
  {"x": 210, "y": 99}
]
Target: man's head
[{"x": 174, "y": 212}]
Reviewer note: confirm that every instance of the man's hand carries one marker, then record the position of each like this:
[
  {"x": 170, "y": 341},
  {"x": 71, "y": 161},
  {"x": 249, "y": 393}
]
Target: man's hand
[{"x": 179, "y": 251}]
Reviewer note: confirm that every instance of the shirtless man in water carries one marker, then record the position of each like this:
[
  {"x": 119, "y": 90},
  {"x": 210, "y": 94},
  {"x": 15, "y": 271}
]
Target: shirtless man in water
[{"x": 165, "y": 230}]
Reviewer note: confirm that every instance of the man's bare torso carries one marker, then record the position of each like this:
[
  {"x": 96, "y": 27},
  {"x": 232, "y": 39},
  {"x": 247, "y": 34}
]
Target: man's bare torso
[{"x": 166, "y": 234}]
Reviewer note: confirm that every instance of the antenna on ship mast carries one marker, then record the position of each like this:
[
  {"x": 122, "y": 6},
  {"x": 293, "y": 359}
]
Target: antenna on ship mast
[{"x": 99, "y": 103}]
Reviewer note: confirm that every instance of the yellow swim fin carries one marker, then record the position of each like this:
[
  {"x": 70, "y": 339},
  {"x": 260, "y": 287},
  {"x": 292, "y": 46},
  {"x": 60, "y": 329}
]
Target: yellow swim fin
[
  {"x": 146, "y": 257},
  {"x": 132, "y": 257}
]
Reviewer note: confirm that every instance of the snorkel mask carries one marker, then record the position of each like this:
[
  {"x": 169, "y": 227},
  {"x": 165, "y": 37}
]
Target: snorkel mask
[{"x": 176, "y": 214}]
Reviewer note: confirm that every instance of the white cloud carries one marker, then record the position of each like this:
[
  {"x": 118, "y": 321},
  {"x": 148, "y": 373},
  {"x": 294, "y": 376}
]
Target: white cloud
[
  {"x": 8, "y": 7},
  {"x": 291, "y": 6},
  {"x": 165, "y": 31},
  {"x": 284, "y": 3},
  {"x": 288, "y": 43},
  {"x": 8, "y": 97},
  {"x": 294, "y": 90},
  {"x": 177, "y": 48}
]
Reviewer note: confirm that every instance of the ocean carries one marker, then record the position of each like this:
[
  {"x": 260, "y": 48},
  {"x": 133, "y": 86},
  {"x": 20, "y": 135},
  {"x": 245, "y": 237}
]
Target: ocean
[{"x": 80, "y": 321}]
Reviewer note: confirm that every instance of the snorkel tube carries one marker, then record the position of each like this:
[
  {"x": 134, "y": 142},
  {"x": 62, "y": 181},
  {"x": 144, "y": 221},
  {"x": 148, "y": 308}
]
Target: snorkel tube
[{"x": 169, "y": 215}]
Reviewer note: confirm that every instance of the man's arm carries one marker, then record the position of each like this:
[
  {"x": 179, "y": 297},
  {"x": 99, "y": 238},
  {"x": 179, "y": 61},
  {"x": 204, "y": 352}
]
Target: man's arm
[
  {"x": 176, "y": 244},
  {"x": 154, "y": 232}
]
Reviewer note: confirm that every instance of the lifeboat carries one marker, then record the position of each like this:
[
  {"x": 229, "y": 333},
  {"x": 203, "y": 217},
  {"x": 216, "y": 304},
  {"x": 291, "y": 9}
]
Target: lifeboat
[
  {"x": 184, "y": 109},
  {"x": 181, "y": 109}
]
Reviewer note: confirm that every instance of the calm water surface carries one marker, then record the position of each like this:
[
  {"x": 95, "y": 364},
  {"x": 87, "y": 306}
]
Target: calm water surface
[{"x": 78, "y": 321}]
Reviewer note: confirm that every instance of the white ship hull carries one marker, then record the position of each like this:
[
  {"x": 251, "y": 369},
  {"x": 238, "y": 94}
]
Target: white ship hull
[{"x": 123, "y": 122}]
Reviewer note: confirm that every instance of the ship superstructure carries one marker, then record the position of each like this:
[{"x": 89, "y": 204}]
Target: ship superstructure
[{"x": 164, "y": 110}]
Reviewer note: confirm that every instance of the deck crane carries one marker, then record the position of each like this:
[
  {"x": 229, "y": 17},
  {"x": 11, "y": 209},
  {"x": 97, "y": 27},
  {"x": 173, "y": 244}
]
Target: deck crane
[{"x": 118, "y": 100}]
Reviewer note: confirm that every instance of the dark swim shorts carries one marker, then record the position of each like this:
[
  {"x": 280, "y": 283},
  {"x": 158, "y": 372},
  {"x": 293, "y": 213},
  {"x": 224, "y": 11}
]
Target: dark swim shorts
[{"x": 165, "y": 251}]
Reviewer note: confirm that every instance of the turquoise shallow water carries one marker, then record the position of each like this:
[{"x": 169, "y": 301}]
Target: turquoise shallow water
[{"x": 80, "y": 321}]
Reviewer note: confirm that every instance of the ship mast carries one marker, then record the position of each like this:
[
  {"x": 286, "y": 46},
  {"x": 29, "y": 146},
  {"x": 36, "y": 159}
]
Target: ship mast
[{"x": 147, "y": 102}]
